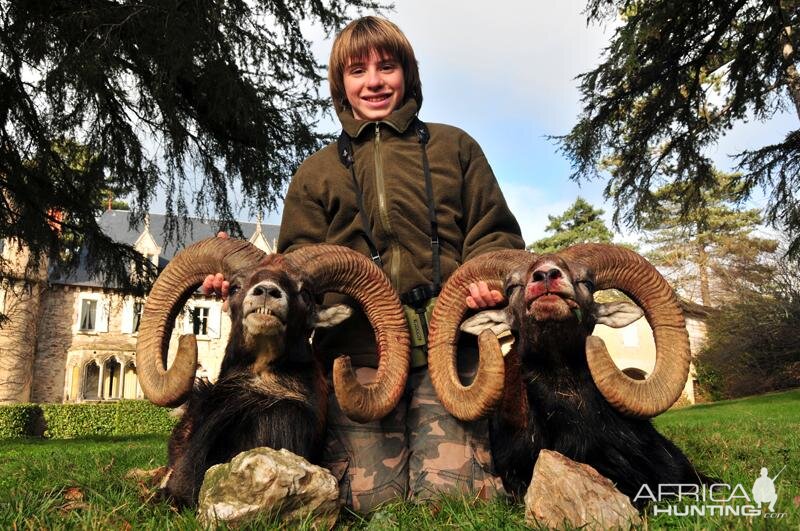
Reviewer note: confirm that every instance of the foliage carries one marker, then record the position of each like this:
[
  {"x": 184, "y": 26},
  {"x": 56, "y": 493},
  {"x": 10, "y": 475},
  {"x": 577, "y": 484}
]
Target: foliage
[
  {"x": 675, "y": 78},
  {"x": 139, "y": 417},
  {"x": 126, "y": 417},
  {"x": 151, "y": 97},
  {"x": 753, "y": 345},
  {"x": 710, "y": 247},
  {"x": 580, "y": 223},
  {"x": 729, "y": 440},
  {"x": 17, "y": 420}
]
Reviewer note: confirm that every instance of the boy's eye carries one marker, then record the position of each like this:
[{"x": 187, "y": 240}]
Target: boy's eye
[{"x": 388, "y": 67}]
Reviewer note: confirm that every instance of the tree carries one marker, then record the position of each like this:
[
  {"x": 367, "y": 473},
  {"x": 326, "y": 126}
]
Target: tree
[
  {"x": 711, "y": 247},
  {"x": 677, "y": 76},
  {"x": 580, "y": 223},
  {"x": 146, "y": 96},
  {"x": 753, "y": 345}
]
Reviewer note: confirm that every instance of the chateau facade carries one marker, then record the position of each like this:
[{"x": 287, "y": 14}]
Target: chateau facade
[{"x": 73, "y": 339}]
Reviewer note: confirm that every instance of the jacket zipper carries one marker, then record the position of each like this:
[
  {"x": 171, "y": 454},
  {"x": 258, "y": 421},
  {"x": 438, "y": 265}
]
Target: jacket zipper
[{"x": 383, "y": 213}]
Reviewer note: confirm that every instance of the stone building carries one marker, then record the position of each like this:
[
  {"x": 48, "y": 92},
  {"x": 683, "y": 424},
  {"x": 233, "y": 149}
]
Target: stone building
[
  {"x": 73, "y": 339},
  {"x": 633, "y": 349}
]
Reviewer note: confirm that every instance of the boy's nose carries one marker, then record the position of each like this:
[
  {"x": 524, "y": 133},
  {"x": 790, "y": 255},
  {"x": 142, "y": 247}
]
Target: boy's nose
[{"x": 374, "y": 79}]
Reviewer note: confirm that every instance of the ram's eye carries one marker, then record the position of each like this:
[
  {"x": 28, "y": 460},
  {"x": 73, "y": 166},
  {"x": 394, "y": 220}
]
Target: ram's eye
[
  {"x": 233, "y": 289},
  {"x": 306, "y": 296},
  {"x": 510, "y": 289},
  {"x": 588, "y": 283}
]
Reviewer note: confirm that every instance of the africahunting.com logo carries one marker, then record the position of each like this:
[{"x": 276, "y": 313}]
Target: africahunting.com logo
[{"x": 718, "y": 499}]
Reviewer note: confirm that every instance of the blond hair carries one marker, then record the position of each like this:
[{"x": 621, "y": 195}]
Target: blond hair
[{"x": 357, "y": 40}]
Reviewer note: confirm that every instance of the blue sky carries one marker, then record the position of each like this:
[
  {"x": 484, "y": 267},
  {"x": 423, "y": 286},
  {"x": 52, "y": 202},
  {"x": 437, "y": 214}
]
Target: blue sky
[{"x": 505, "y": 72}]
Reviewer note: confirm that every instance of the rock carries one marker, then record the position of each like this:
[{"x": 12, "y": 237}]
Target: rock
[
  {"x": 269, "y": 482},
  {"x": 564, "y": 492}
]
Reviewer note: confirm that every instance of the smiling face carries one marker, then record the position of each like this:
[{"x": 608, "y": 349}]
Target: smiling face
[{"x": 374, "y": 86}]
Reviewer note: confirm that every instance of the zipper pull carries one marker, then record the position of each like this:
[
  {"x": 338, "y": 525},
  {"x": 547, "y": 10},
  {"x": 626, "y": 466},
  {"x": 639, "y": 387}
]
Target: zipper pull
[{"x": 377, "y": 131}]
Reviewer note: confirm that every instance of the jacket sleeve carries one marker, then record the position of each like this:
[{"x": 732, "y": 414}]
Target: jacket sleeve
[
  {"x": 488, "y": 224},
  {"x": 304, "y": 220}
]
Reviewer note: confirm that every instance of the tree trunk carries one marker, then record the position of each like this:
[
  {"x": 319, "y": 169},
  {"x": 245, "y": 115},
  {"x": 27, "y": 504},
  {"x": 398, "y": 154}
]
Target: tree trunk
[
  {"x": 791, "y": 74},
  {"x": 702, "y": 266}
]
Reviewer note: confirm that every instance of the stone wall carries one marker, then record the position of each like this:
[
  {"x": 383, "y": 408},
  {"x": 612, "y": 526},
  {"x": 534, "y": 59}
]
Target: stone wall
[
  {"x": 22, "y": 280},
  {"x": 64, "y": 351}
]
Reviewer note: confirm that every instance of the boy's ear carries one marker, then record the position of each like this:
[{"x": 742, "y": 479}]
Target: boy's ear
[
  {"x": 332, "y": 315},
  {"x": 495, "y": 320},
  {"x": 617, "y": 314}
]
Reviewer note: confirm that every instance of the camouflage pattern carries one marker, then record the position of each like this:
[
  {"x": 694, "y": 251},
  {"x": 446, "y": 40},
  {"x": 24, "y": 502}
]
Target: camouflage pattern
[
  {"x": 447, "y": 455},
  {"x": 419, "y": 449}
]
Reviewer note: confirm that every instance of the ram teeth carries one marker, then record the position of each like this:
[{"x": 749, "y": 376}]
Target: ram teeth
[{"x": 264, "y": 311}]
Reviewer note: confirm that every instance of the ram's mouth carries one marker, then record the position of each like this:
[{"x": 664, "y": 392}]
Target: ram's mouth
[
  {"x": 552, "y": 306},
  {"x": 262, "y": 317}
]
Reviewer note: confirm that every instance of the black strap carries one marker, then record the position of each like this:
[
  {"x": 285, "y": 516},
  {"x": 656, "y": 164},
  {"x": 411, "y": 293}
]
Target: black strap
[
  {"x": 423, "y": 135},
  {"x": 345, "y": 147}
]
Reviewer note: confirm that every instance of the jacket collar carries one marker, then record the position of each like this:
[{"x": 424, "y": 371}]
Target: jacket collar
[{"x": 399, "y": 120}]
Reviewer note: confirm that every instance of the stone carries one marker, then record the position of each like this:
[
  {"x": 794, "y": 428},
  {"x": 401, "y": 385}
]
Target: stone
[
  {"x": 566, "y": 493},
  {"x": 272, "y": 483}
]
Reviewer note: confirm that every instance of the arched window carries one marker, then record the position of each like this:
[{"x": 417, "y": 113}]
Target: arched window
[
  {"x": 91, "y": 381},
  {"x": 112, "y": 375},
  {"x": 129, "y": 381}
]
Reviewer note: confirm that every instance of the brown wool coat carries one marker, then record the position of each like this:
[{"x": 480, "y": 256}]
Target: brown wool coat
[{"x": 472, "y": 215}]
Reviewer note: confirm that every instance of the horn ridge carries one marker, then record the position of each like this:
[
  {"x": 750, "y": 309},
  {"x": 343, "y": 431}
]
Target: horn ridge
[
  {"x": 340, "y": 269},
  {"x": 620, "y": 268},
  {"x": 173, "y": 287},
  {"x": 482, "y": 395}
]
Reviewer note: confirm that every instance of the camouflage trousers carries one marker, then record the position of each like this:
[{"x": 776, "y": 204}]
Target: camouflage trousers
[{"x": 417, "y": 450}]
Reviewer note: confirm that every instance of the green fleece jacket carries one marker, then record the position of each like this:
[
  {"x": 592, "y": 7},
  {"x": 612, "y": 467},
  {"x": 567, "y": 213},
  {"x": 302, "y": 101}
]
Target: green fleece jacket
[{"x": 321, "y": 207}]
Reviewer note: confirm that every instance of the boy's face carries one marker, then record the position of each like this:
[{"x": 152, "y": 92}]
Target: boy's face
[{"x": 374, "y": 86}]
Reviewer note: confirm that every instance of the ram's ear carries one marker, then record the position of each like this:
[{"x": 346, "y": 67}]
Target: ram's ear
[
  {"x": 328, "y": 316},
  {"x": 495, "y": 320},
  {"x": 617, "y": 314}
]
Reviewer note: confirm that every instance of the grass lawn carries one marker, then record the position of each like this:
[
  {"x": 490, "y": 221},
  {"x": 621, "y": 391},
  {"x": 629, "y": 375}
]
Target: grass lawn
[{"x": 54, "y": 484}]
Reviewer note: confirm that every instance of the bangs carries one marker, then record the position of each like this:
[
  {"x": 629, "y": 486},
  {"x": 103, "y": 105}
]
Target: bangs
[{"x": 362, "y": 42}]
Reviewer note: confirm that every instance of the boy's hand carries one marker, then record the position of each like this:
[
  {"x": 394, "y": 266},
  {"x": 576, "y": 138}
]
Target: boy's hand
[
  {"x": 480, "y": 296},
  {"x": 216, "y": 284}
]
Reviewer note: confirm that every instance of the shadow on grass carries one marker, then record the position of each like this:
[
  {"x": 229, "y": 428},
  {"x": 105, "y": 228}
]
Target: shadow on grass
[{"x": 100, "y": 439}]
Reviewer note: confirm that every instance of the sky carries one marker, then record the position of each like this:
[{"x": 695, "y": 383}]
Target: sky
[{"x": 504, "y": 72}]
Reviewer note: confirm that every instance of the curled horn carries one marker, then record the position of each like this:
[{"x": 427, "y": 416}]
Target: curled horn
[
  {"x": 477, "y": 399},
  {"x": 622, "y": 269},
  {"x": 172, "y": 289},
  {"x": 336, "y": 268}
]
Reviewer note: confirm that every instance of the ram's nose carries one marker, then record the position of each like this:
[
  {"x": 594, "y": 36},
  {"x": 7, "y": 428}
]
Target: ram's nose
[
  {"x": 265, "y": 291},
  {"x": 544, "y": 279}
]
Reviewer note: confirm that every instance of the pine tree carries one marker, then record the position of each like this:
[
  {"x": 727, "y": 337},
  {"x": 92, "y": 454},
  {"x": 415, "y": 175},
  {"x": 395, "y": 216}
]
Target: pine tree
[
  {"x": 580, "y": 223},
  {"x": 151, "y": 96},
  {"x": 710, "y": 252},
  {"x": 675, "y": 77}
]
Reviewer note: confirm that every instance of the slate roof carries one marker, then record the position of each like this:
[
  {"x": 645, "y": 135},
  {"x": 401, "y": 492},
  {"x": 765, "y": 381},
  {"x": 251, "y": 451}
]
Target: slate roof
[{"x": 115, "y": 224}]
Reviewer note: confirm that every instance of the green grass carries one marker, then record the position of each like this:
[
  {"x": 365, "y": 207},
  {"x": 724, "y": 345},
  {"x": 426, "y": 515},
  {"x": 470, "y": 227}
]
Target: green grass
[{"x": 81, "y": 483}]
